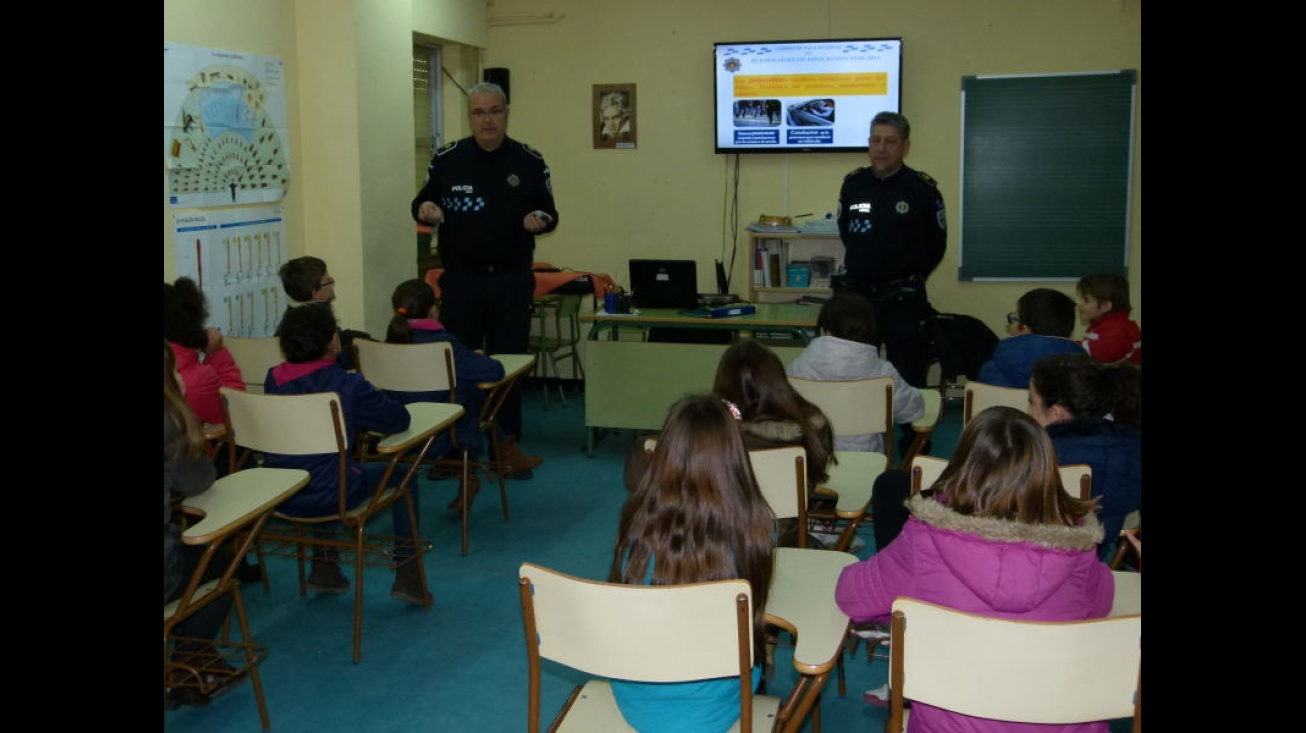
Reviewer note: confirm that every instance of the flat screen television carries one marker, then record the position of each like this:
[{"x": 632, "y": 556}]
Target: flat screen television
[{"x": 803, "y": 96}]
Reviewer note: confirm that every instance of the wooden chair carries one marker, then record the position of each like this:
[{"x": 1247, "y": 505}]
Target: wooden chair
[
  {"x": 663, "y": 633},
  {"x": 1125, "y": 548},
  {"x": 255, "y": 356},
  {"x": 782, "y": 476},
  {"x": 230, "y": 514},
  {"x": 1011, "y": 670},
  {"x": 314, "y": 424},
  {"x": 558, "y": 339},
  {"x": 925, "y": 470},
  {"x": 430, "y": 368},
  {"x": 858, "y": 407},
  {"x": 980, "y": 396},
  {"x": 1128, "y": 598},
  {"x": 1076, "y": 478},
  {"x": 420, "y": 368},
  {"x": 923, "y": 428}
]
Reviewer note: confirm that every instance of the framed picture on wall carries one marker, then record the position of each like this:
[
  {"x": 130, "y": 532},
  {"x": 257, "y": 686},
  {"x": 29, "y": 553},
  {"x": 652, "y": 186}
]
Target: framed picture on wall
[{"x": 614, "y": 116}]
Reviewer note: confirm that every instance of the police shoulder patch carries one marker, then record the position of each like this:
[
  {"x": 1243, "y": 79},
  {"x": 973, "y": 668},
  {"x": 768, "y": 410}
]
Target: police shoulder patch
[
  {"x": 854, "y": 172},
  {"x": 532, "y": 151},
  {"x": 927, "y": 178},
  {"x": 447, "y": 147}
]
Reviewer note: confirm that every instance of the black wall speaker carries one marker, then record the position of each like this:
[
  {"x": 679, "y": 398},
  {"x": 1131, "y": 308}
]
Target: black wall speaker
[{"x": 498, "y": 75}]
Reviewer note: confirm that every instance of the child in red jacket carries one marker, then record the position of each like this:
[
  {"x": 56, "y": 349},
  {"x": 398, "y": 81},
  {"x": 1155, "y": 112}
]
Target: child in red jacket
[{"x": 1104, "y": 306}]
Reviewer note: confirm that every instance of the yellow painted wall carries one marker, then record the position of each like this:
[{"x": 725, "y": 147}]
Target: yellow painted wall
[
  {"x": 349, "y": 98},
  {"x": 668, "y": 197}
]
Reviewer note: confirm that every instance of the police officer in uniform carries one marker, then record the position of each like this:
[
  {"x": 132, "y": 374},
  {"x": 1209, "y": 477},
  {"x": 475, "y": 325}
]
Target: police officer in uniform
[
  {"x": 489, "y": 195},
  {"x": 892, "y": 224}
]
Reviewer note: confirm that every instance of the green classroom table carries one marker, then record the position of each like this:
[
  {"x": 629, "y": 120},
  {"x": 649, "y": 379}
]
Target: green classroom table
[{"x": 632, "y": 383}]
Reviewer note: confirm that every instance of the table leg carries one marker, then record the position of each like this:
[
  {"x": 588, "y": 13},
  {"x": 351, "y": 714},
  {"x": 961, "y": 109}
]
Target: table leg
[{"x": 795, "y": 708}]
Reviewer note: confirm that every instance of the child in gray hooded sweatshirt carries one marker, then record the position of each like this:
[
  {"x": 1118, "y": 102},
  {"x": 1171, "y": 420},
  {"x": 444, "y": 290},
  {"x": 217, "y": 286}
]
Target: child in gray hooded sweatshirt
[{"x": 847, "y": 349}]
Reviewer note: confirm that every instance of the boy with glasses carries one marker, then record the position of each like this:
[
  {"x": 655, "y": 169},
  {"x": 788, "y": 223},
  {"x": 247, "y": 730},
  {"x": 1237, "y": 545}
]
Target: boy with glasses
[
  {"x": 1040, "y": 327},
  {"x": 306, "y": 281}
]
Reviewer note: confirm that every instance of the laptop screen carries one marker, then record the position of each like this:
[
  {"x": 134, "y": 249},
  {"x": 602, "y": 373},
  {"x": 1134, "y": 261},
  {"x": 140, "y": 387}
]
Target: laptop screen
[{"x": 664, "y": 283}]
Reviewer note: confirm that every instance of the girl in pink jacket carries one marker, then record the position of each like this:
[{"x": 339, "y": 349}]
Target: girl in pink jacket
[{"x": 996, "y": 535}]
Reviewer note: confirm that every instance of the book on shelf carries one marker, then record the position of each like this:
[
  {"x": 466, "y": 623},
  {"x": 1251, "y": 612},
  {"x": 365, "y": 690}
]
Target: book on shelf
[{"x": 775, "y": 272}]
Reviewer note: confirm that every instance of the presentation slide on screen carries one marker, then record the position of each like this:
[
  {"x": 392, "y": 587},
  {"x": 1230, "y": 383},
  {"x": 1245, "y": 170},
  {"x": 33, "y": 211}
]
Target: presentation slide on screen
[{"x": 804, "y": 94}]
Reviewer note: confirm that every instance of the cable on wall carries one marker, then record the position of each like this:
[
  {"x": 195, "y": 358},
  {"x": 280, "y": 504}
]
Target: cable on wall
[{"x": 527, "y": 18}]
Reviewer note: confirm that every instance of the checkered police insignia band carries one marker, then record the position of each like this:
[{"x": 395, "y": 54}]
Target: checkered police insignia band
[
  {"x": 860, "y": 226},
  {"x": 463, "y": 203}
]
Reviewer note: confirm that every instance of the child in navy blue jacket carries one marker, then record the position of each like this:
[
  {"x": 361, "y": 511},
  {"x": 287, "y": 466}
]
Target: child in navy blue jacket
[
  {"x": 417, "y": 321},
  {"x": 310, "y": 342},
  {"x": 1040, "y": 327}
]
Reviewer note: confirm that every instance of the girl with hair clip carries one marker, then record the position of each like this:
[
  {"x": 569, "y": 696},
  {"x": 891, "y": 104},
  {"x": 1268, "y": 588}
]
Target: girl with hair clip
[
  {"x": 695, "y": 515},
  {"x": 996, "y": 535},
  {"x": 1093, "y": 412},
  {"x": 774, "y": 415},
  {"x": 417, "y": 321}
]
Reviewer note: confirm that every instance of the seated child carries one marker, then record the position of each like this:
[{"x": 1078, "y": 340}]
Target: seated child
[
  {"x": 846, "y": 350},
  {"x": 1040, "y": 327},
  {"x": 996, "y": 535},
  {"x": 698, "y": 493},
  {"x": 772, "y": 415},
  {"x": 417, "y": 321},
  {"x": 1104, "y": 307},
  {"x": 1093, "y": 411},
  {"x": 310, "y": 341},
  {"x": 306, "y": 281},
  {"x": 203, "y": 360}
]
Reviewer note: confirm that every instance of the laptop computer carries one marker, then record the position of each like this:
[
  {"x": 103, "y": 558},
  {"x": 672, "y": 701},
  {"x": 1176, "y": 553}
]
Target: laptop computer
[{"x": 664, "y": 283}]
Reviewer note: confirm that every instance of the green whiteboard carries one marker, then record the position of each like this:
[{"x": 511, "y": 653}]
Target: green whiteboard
[{"x": 1046, "y": 175}]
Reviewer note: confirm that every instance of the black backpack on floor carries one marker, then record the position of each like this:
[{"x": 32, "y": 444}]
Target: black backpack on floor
[{"x": 961, "y": 343}]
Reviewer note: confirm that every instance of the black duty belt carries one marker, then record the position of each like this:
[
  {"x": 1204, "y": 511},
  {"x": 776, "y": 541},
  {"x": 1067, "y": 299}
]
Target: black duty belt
[
  {"x": 886, "y": 289},
  {"x": 500, "y": 267}
]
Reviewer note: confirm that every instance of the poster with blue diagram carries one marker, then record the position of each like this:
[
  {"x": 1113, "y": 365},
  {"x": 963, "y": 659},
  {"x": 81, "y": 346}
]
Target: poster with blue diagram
[{"x": 224, "y": 127}]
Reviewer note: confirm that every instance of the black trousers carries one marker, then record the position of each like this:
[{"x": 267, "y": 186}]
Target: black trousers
[
  {"x": 902, "y": 313},
  {"x": 888, "y": 512},
  {"x": 491, "y": 310}
]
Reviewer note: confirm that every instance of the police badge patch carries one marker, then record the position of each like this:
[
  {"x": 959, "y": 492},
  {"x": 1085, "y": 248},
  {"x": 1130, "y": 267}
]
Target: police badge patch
[
  {"x": 513, "y": 180},
  {"x": 943, "y": 224},
  {"x": 902, "y": 207}
]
